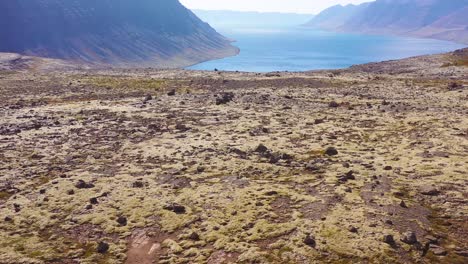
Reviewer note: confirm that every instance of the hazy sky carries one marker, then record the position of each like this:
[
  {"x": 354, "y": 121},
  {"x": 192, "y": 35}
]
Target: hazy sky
[{"x": 296, "y": 6}]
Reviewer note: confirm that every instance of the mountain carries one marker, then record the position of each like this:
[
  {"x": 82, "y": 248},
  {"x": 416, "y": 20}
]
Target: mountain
[
  {"x": 335, "y": 16},
  {"x": 233, "y": 19},
  {"x": 135, "y": 33},
  {"x": 439, "y": 19}
]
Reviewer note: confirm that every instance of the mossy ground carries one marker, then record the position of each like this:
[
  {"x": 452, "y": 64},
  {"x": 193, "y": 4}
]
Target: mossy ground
[{"x": 398, "y": 133}]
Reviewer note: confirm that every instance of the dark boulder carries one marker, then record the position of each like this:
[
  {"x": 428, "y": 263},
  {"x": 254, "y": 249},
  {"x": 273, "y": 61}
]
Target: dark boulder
[
  {"x": 409, "y": 238},
  {"x": 309, "y": 240},
  {"x": 429, "y": 190},
  {"x": 389, "y": 239},
  {"x": 261, "y": 149},
  {"x": 84, "y": 185},
  {"x": 331, "y": 151},
  {"x": 224, "y": 98},
  {"x": 176, "y": 208},
  {"x": 122, "y": 221},
  {"x": 102, "y": 247},
  {"x": 171, "y": 92}
]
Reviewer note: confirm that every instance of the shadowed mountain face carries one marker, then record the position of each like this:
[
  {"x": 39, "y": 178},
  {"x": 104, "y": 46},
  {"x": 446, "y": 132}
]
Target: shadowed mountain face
[
  {"x": 159, "y": 33},
  {"x": 438, "y": 19}
]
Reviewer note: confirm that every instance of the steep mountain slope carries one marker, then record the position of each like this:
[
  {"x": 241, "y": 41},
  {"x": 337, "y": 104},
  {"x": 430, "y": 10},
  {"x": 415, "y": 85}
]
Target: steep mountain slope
[
  {"x": 160, "y": 33},
  {"x": 423, "y": 18},
  {"x": 451, "y": 27}
]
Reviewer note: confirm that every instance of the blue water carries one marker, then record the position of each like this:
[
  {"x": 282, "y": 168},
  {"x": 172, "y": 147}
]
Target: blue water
[{"x": 299, "y": 49}]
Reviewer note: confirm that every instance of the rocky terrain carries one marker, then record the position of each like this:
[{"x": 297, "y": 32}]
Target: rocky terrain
[
  {"x": 362, "y": 165},
  {"x": 436, "y": 19},
  {"x": 121, "y": 33}
]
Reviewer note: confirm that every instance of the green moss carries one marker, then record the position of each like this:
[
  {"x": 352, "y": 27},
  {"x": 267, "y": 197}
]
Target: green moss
[
  {"x": 126, "y": 83},
  {"x": 89, "y": 250},
  {"x": 449, "y": 259},
  {"x": 35, "y": 254},
  {"x": 463, "y": 62},
  {"x": 5, "y": 195}
]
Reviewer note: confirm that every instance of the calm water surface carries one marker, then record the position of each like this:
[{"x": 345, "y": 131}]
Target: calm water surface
[{"x": 299, "y": 49}]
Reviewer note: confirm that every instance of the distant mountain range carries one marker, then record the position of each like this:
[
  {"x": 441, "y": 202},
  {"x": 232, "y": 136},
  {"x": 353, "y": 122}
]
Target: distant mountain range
[
  {"x": 235, "y": 19},
  {"x": 141, "y": 33},
  {"x": 438, "y": 19}
]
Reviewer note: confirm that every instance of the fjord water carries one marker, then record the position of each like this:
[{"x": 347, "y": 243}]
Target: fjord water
[{"x": 300, "y": 49}]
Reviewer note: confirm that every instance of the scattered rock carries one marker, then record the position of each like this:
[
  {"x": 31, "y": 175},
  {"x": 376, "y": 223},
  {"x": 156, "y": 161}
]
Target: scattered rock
[
  {"x": 182, "y": 127},
  {"x": 409, "y": 238},
  {"x": 348, "y": 176},
  {"x": 240, "y": 153},
  {"x": 138, "y": 184},
  {"x": 461, "y": 252},
  {"x": 453, "y": 86},
  {"x": 224, "y": 98},
  {"x": 70, "y": 192},
  {"x": 148, "y": 98},
  {"x": 403, "y": 204},
  {"x": 352, "y": 229},
  {"x": 333, "y": 104},
  {"x": 319, "y": 121},
  {"x": 388, "y": 168},
  {"x": 102, "y": 247},
  {"x": 389, "y": 239},
  {"x": 171, "y": 92},
  {"x": 331, "y": 151},
  {"x": 438, "y": 251},
  {"x": 429, "y": 190},
  {"x": 310, "y": 241},
  {"x": 258, "y": 131},
  {"x": 431, "y": 239},
  {"x": 311, "y": 166},
  {"x": 176, "y": 208},
  {"x": 261, "y": 149},
  {"x": 8, "y": 219},
  {"x": 194, "y": 236},
  {"x": 276, "y": 157},
  {"x": 84, "y": 185},
  {"x": 94, "y": 200},
  {"x": 122, "y": 221}
]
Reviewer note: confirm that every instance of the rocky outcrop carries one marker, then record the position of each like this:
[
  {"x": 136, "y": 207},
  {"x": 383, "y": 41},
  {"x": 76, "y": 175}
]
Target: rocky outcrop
[{"x": 159, "y": 33}]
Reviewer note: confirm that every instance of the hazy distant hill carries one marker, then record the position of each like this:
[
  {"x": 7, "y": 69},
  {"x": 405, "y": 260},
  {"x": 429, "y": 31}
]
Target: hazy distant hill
[
  {"x": 440, "y": 19},
  {"x": 335, "y": 16},
  {"x": 233, "y": 19},
  {"x": 160, "y": 33}
]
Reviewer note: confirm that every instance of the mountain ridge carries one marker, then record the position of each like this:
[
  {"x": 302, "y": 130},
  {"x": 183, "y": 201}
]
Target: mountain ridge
[
  {"x": 122, "y": 33},
  {"x": 421, "y": 18}
]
